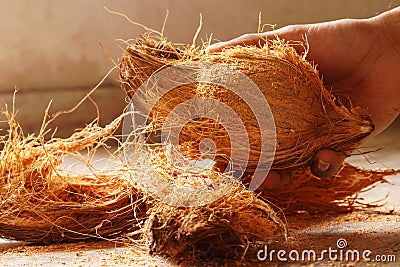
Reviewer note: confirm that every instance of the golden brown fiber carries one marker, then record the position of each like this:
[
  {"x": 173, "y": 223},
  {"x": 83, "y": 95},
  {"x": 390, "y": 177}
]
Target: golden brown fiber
[{"x": 306, "y": 115}]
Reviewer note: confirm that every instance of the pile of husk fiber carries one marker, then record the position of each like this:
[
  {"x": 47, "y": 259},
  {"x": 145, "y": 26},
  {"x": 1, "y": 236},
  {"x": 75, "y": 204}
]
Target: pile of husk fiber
[{"x": 43, "y": 202}]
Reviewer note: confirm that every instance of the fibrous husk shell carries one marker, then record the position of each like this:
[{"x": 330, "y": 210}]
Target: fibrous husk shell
[{"x": 307, "y": 117}]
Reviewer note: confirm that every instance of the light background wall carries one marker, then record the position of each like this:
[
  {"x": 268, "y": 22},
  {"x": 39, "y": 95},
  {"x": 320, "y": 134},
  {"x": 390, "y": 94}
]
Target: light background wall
[{"x": 49, "y": 49}]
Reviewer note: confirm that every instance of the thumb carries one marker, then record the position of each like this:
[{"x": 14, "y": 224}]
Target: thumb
[{"x": 327, "y": 162}]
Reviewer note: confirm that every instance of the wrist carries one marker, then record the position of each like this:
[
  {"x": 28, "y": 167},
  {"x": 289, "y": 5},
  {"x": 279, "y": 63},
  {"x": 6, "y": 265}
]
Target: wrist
[{"x": 388, "y": 23}]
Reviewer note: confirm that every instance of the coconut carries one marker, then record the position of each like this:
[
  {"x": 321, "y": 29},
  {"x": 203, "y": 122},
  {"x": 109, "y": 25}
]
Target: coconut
[{"x": 307, "y": 117}]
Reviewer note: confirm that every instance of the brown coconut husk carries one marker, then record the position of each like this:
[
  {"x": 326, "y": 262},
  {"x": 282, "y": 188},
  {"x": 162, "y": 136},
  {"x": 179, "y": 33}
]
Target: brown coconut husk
[
  {"x": 289, "y": 83},
  {"x": 224, "y": 227},
  {"x": 42, "y": 202},
  {"x": 340, "y": 193},
  {"x": 241, "y": 219}
]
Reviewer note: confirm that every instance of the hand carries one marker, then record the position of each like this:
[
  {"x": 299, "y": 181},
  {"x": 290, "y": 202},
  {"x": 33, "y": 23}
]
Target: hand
[{"x": 357, "y": 59}]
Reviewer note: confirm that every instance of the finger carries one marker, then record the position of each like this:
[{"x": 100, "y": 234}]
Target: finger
[
  {"x": 214, "y": 48},
  {"x": 327, "y": 162},
  {"x": 275, "y": 180},
  {"x": 293, "y": 32},
  {"x": 244, "y": 40},
  {"x": 285, "y": 176},
  {"x": 220, "y": 166}
]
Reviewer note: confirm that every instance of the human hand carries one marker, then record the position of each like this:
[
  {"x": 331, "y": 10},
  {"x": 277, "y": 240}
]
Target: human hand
[{"x": 358, "y": 61}]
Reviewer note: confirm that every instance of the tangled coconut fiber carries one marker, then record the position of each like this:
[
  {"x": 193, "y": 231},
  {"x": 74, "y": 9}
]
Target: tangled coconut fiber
[{"x": 42, "y": 202}]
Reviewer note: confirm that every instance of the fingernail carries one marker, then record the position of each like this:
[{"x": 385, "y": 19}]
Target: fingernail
[
  {"x": 210, "y": 48},
  {"x": 323, "y": 166}
]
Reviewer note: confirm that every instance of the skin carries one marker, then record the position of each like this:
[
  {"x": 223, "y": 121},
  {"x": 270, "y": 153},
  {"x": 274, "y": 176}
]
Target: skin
[{"x": 358, "y": 59}]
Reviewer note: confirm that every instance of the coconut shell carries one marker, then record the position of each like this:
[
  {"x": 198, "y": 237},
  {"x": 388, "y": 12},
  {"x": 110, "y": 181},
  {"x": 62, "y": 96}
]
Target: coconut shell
[{"x": 307, "y": 117}]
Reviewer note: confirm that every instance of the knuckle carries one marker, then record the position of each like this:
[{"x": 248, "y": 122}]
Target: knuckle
[{"x": 247, "y": 36}]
